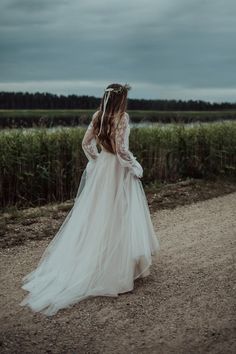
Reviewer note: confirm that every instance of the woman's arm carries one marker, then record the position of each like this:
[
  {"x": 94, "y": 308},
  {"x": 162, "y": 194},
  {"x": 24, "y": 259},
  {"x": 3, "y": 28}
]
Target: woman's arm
[
  {"x": 125, "y": 156},
  {"x": 89, "y": 142}
]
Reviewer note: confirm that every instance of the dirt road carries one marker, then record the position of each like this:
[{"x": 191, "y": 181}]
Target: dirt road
[{"x": 186, "y": 305}]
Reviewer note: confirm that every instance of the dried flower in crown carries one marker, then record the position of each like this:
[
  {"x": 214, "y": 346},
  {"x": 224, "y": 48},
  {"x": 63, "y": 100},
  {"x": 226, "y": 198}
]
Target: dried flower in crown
[{"x": 121, "y": 89}]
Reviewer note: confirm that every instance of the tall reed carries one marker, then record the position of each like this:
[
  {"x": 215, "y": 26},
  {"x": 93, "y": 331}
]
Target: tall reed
[{"x": 39, "y": 166}]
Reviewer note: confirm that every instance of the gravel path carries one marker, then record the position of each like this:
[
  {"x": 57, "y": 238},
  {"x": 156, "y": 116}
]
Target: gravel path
[{"x": 186, "y": 305}]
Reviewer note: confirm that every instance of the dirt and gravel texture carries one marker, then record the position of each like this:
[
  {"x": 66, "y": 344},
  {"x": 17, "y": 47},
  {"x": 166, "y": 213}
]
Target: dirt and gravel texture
[
  {"x": 186, "y": 305},
  {"x": 17, "y": 226}
]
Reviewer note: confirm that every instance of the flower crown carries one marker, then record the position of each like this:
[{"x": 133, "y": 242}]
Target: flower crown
[{"x": 120, "y": 90}]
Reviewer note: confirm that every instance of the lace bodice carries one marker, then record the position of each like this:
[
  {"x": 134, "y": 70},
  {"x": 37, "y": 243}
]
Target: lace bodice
[
  {"x": 89, "y": 142},
  {"x": 124, "y": 155}
]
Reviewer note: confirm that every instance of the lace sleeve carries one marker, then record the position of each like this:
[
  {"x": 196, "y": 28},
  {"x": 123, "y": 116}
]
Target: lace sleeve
[
  {"x": 89, "y": 142},
  {"x": 125, "y": 156}
]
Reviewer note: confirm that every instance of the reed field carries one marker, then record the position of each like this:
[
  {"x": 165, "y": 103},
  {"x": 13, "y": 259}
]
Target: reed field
[{"x": 39, "y": 166}]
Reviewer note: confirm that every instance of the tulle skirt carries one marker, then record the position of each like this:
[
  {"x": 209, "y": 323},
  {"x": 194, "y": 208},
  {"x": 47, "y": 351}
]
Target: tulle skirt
[{"x": 106, "y": 241}]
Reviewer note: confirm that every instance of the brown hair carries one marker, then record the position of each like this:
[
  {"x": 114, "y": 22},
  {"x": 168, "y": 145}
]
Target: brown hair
[{"x": 115, "y": 108}]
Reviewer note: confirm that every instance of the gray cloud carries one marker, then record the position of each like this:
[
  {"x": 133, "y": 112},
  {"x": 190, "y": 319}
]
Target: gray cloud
[{"x": 181, "y": 49}]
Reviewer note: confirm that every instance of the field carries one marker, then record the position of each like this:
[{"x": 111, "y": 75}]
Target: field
[
  {"x": 186, "y": 305},
  {"x": 40, "y": 166},
  {"x": 50, "y": 118}
]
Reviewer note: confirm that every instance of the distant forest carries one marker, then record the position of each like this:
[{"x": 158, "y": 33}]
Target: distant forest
[{"x": 26, "y": 100}]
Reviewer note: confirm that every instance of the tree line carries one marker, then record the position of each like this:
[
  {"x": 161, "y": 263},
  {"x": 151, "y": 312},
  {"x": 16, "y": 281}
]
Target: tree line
[{"x": 45, "y": 100}]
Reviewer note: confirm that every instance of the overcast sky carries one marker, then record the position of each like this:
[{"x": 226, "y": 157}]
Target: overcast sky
[{"x": 181, "y": 49}]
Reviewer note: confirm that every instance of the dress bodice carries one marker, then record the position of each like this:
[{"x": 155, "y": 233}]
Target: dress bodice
[{"x": 120, "y": 145}]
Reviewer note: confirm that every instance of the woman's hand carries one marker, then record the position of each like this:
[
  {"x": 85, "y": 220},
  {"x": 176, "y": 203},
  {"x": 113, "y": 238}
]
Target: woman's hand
[{"x": 137, "y": 170}]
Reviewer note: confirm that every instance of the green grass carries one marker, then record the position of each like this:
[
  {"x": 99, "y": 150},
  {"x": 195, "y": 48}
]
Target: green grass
[
  {"x": 39, "y": 166},
  {"x": 88, "y": 112},
  {"x": 43, "y": 112},
  {"x": 75, "y": 117}
]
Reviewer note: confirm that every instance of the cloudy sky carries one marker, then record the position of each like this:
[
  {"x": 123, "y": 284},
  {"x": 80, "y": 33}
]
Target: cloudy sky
[{"x": 181, "y": 49}]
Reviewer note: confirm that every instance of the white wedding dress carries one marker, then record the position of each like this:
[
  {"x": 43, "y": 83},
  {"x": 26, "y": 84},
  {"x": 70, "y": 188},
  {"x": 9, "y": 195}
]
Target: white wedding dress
[{"x": 107, "y": 239}]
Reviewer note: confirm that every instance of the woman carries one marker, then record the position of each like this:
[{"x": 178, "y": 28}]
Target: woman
[{"x": 107, "y": 240}]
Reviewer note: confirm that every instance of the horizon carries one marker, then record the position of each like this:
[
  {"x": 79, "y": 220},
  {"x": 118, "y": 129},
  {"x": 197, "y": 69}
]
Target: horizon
[
  {"x": 164, "y": 50},
  {"x": 132, "y": 98}
]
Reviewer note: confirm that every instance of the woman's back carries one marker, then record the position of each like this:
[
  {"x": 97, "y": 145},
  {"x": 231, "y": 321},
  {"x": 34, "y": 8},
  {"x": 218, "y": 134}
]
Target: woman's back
[
  {"x": 119, "y": 128},
  {"x": 119, "y": 141},
  {"x": 107, "y": 240}
]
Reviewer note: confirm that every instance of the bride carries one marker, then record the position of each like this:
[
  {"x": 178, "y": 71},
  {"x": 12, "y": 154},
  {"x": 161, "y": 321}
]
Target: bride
[{"x": 107, "y": 239}]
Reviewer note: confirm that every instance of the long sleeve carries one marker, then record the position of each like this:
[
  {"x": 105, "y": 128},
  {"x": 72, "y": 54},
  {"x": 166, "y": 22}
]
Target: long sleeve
[
  {"x": 125, "y": 156},
  {"x": 89, "y": 143}
]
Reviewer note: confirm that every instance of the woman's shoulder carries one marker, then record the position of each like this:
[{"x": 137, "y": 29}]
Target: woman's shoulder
[
  {"x": 95, "y": 114},
  {"x": 125, "y": 116},
  {"x": 123, "y": 122}
]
